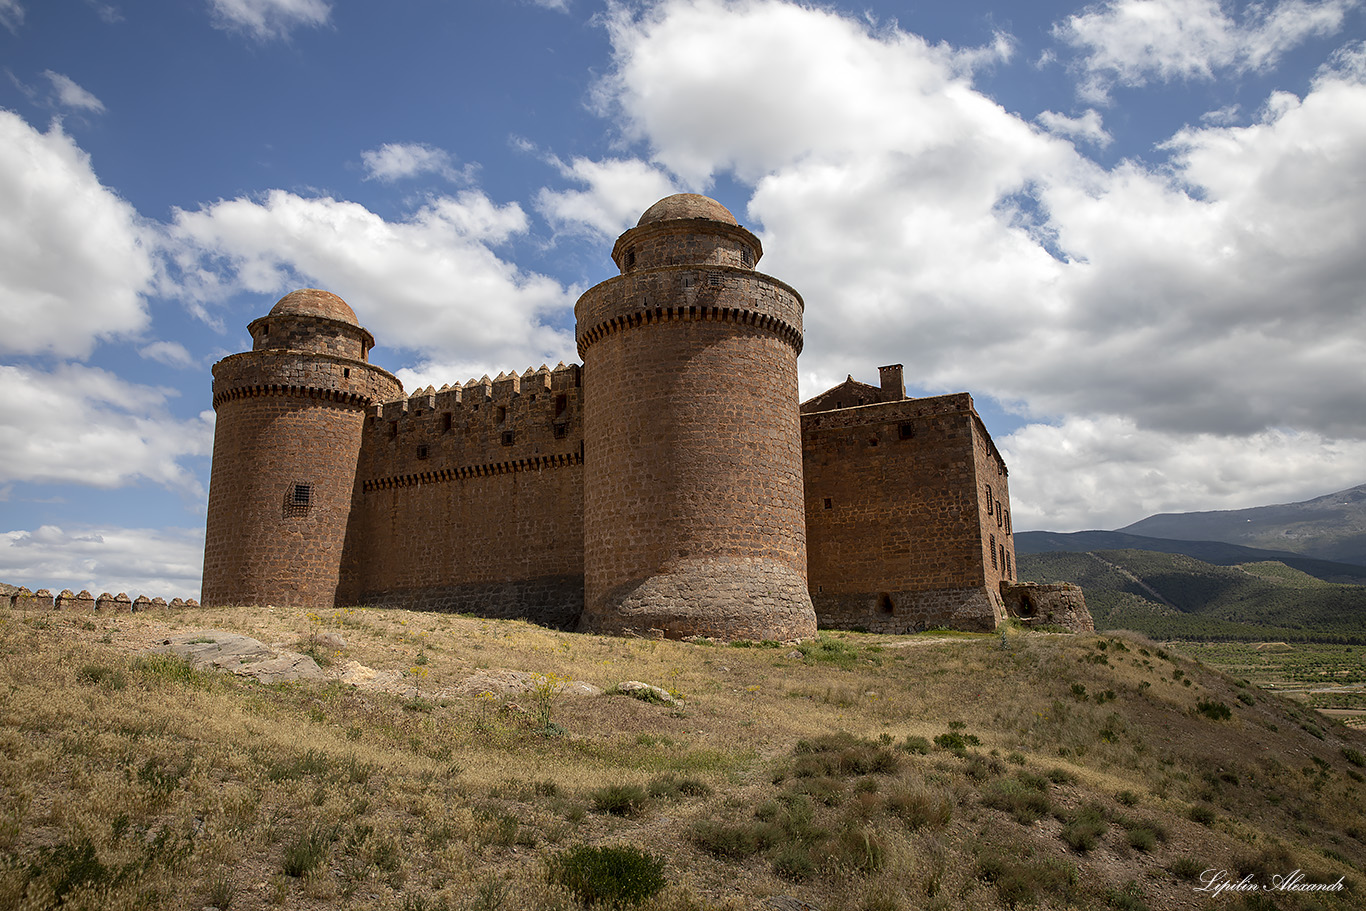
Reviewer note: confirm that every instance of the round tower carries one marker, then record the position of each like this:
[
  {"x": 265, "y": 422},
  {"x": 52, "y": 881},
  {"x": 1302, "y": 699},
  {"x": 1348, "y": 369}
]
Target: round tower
[
  {"x": 693, "y": 504},
  {"x": 285, "y": 448}
]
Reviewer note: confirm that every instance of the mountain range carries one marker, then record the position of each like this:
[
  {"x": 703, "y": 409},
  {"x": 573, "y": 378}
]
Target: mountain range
[
  {"x": 1199, "y": 575},
  {"x": 1331, "y": 527}
]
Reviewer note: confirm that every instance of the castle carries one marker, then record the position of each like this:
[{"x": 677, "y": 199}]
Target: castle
[{"x": 671, "y": 485}]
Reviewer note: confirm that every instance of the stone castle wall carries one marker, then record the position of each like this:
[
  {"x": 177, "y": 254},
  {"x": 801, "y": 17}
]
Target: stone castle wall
[
  {"x": 893, "y": 516},
  {"x": 470, "y": 499}
]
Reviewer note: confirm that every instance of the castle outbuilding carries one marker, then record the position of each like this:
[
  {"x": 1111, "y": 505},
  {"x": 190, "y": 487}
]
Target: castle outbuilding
[{"x": 671, "y": 485}]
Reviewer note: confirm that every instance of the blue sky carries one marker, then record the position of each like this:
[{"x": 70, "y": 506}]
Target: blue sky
[{"x": 1133, "y": 230}]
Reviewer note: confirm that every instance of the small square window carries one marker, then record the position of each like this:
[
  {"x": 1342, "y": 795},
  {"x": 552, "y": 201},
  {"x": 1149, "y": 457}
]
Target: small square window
[
  {"x": 422, "y": 450},
  {"x": 829, "y": 504},
  {"x": 298, "y": 500},
  {"x": 446, "y": 422},
  {"x": 906, "y": 431},
  {"x": 508, "y": 437},
  {"x": 561, "y": 431}
]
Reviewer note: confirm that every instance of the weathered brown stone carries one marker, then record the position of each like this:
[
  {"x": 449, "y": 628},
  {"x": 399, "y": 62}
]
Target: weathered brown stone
[
  {"x": 1059, "y": 604},
  {"x": 670, "y": 486}
]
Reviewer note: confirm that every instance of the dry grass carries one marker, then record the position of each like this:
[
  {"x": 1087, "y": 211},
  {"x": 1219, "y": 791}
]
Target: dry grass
[{"x": 857, "y": 773}]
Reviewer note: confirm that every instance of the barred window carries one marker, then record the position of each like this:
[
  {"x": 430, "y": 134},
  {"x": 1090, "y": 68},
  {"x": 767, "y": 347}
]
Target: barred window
[
  {"x": 298, "y": 500},
  {"x": 992, "y": 547}
]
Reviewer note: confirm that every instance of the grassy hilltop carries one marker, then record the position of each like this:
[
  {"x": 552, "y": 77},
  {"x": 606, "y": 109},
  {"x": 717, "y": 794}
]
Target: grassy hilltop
[{"x": 855, "y": 773}]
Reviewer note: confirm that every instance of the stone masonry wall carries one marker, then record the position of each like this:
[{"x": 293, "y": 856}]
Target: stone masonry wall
[
  {"x": 286, "y": 444},
  {"x": 470, "y": 499},
  {"x": 993, "y": 501},
  {"x": 893, "y": 519},
  {"x": 1048, "y": 604},
  {"x": 693, "y": 499},
  {"x": 311, "y": 333}
]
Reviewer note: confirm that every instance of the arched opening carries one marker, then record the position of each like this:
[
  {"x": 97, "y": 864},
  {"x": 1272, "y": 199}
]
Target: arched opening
[{"x": 884, "y": 604}]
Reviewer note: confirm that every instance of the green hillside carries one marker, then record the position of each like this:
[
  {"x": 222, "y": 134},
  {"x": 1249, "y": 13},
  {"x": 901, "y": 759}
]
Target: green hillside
[{"x": 1176, "y": 596}]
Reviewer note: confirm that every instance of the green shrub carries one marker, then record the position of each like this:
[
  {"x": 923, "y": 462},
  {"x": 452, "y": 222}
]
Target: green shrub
[
  {"x": 860, "y": 849},
  {"x": 1129, "y": 898},
  {"x": 303, "y": 855},
  {"x": 610, "y": 875},
  {"x": 915, "y": 744},
  {"x": 793, "y": 862},
  {"x": 169, "y": 668},
  {"x": 1216, "y": 711},
  {"x": 955, "y": 742},
  {"x": 824, "y": 789},
  {"x": 1083, "y": 828},
  {"x": 1187, "y": 868},
  {"x": 1142, "y": 838},
  {"x": 834, "y": 651},
  {"x": 620, "y": 799},
  {"x": 671, "y": 787},
  {"x": 919, "y": 807},
  {"x": 1201, "y": 813},
  {"x": 1023, "y": 880},
  {"x": 1026, "y": 804},
  {"x": 99, "y": 674},
  {"x": 1353, "y": 756},
  {"x": 844, "y": 755},
  {"x": 727, "y": 839}
]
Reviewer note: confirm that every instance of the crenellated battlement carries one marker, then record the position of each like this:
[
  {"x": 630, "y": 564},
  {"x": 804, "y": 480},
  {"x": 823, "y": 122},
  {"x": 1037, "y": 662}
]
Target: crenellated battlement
[{"x": 531, "y": 419}]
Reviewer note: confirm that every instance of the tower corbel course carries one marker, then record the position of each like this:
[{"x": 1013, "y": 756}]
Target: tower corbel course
[
  {"x": 693, "y": 503},
  {"x": 290, "y": 413}
]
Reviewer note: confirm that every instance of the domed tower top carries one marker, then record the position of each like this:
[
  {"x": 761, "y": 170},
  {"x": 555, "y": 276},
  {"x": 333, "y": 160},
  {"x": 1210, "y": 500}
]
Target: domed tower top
[
  {"x": 686, "y": 229},
  {"x": 687, "y": 205},
  {"x": 312, "y": 320},
  {"x": 315, "y": 302}
]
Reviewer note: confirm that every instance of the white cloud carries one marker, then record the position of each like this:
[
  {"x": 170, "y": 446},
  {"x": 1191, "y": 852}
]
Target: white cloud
[
  {"x": 156, "y": 562},
  {"x": 618, "y": 191},
  {"x": 1086, "y": 128},
  {"x": 1106, "y": 472},
  {"x": 1221, "y": 294},
  {"x": 559, "y": 6},
  {"x": 431, "y": 283},
  {"x": 172, "y": 354},
  {"x": 1133, "y": 41},
  {"x": 267, "y": 19},
  {"x": 753, "y": 86},
  {"x": 74, "y": 257},
  {"x": 108, "y": 12},
  {"x": 11, "y": 15},
  {"x": 71, "y": 95},
  {"x": 82, "y": 425},
  {"x": 401, "y": 160}
]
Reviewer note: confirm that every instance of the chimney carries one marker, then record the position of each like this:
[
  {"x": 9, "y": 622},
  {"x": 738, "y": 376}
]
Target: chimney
[{"x": 893, "y": 387}]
